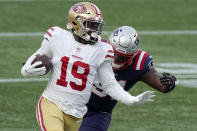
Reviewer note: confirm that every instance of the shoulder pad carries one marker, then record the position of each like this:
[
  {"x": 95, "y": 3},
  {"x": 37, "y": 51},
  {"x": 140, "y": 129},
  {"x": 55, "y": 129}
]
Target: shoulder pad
[
  {"x": 139, "y": 61},
  {"x": 108, "y": 51}
]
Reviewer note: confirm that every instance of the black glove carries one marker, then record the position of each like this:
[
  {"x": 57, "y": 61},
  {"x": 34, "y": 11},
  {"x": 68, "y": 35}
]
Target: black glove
[{"x": 168, "y": 80}]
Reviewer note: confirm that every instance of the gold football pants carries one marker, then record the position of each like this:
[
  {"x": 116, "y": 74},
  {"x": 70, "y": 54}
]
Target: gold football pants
[{"x": 51, "y": 118}]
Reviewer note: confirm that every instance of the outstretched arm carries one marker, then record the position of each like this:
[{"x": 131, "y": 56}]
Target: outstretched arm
[
  {"x": 163, "y": 83},
  {"x": 112, "y": 88}
]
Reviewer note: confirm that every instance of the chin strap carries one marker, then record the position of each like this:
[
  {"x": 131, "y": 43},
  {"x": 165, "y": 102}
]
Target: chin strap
[
  {"x": 120, "y": 66},
  {"x": 93, "y": 37},
  {"x": 116, "y": 66},
  {"x": 69, "y": 26}
]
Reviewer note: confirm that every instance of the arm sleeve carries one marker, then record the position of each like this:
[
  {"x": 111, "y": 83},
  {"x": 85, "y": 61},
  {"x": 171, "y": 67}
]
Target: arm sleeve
[
  {"x": 44, "y": 49},
  {"x": 107, "y": 53},
  {"x": 48, "y": 42},
  {"x": 111, "y": 86}
]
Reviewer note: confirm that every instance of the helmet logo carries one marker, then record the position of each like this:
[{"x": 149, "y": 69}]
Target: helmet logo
[
  {"x": 116, "y": 32},
  {"x": 79, "y": 9},
  {"x": 136, "y": 41}
]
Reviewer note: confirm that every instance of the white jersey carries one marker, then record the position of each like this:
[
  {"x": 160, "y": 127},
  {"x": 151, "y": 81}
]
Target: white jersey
[{"x": 74, "y": 69}]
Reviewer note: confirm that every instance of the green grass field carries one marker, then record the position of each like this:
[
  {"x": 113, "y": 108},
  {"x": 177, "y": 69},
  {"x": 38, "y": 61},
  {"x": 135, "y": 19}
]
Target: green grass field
[{"x": 176, "y": 111}]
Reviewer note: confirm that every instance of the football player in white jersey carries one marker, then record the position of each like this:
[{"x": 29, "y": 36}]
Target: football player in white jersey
[{"x": 76, "y": 57}]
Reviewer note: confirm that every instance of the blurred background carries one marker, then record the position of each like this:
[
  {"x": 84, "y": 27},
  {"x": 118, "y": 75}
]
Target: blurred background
[{"x": 167, "y": 30}]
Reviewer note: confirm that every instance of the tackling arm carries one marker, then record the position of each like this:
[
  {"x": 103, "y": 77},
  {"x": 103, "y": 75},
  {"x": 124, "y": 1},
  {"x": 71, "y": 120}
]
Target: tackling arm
[{"x": 163, "y": 83}]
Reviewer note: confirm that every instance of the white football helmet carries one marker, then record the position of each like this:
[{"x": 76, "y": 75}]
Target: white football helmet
[
  {"x": 125, "y": 42},
  {"x": 85, "y": 20}
]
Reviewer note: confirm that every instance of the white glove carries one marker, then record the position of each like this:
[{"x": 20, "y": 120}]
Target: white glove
[
  {"x": 29, "y": 69},
  {"x": 146, "y": 96}
]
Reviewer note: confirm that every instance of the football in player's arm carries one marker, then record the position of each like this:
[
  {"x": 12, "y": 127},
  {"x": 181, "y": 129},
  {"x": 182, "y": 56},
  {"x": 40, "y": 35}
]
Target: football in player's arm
[
  {"x": 130, "y": 66},
  {"x": 76, "y": 57}
]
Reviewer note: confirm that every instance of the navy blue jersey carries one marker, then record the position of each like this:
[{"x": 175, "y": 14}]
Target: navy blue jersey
[{"x": 126, "y": 77}]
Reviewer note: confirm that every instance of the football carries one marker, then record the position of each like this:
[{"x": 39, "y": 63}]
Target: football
[{"x": 45, "y": 62}]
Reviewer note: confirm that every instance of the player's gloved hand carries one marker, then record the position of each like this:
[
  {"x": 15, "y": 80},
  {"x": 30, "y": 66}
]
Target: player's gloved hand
[
  {"x": 146, "y": 96},
  {"x": 168, "y": 80},
  {"x": 31, "y": 69}
]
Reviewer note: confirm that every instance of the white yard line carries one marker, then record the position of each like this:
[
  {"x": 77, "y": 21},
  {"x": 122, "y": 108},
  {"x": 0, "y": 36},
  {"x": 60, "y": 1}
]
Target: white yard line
[
  {"x": 178, "y": 68},
  {"x": 178, "y": 65},
  {"x": 39, "y": 0},
  {"x": 178, "y": 71},
  {"x": 164, "y": 32},
  {"x": 17, "y": 0},
  {"x": 185, "y": 72},
  {"x": 68, "y": 0},
  {"x": 9, "y": 80},
  {"x": 60, "y": 0},
  {"x": 189, "y": 83},
  {"x": 172, "y": 32},
  {"x": 18, "y": 34},
  {"x": 159, "y": 32}
]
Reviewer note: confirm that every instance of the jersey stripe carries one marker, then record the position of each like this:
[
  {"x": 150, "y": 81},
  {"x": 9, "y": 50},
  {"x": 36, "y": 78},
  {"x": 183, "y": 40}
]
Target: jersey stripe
[
  {"x": 140, "y": 60},
  {"x": 143, "y": 61},
  {"x": 52, "y": 29},
  {"x": 49, "y": 34},
  {"x": 40, "y": 116},
  {"x": 136, "y": 59},
  {"x": 110, "y": 54}
]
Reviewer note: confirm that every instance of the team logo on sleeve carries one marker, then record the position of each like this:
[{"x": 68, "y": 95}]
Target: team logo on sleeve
[
  {"x": 150, "y": 64},
  {"x": 79, "y": 9}
]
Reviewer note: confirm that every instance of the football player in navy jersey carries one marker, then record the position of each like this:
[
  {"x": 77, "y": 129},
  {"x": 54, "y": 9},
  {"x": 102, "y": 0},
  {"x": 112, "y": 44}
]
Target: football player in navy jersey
[{"x": 130, "y": 66}]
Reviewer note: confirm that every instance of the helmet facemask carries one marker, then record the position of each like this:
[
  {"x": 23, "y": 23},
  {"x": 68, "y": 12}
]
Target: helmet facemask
[
  {"x": 123, "y": 59},
  {"x": 93, "y": 29}
]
